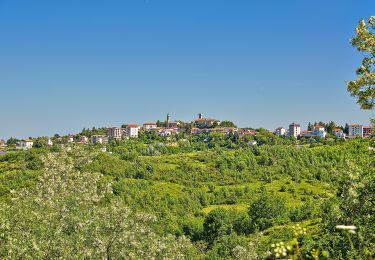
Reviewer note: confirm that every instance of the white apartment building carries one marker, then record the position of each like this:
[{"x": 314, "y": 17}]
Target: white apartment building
[
  {"x": 115, "y": 132},
  {"x": 294, "y": 130},
  {"x": 355, "y": 130},
  {"x": 131, "y": 130}
]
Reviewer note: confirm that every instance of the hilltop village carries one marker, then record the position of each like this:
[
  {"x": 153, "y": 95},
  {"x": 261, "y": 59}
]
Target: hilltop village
[{"x": 201, "y": 125}]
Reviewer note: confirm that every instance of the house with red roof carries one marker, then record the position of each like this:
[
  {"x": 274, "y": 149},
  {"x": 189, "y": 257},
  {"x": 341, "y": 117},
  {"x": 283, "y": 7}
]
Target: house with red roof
[
  {"x": 149, "y": 126},
  {"x": 366, "y": 131},
  {"x": 205, "y": 122},
  {"x": 131, "y": 130}
]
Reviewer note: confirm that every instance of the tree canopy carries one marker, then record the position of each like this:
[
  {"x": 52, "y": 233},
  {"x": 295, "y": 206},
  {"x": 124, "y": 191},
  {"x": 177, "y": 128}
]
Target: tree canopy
[{"x": 363, "y": 88}]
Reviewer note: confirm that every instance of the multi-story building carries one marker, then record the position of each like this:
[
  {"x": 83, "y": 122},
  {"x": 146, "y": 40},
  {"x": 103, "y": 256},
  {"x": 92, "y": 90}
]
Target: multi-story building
[
  {"x": 355, "y": 130},
  {"x": 149, "y": 126},
  {"x": 25, "y": 144},
  {"x": 294, "y": 130},
  {"x": 131, "y": 130},
  {"x": 115, "y": 132},
  {"x": 280, "y": 131},
  {"x": 366, "y": 131},
  {"x": 318, "y": 131},
  {"x": 205, "y": 122},
  {"x": 99, "y": 139}
]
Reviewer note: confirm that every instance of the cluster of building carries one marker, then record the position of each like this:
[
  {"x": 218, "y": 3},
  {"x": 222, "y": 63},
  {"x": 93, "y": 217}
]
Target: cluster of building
[
  {"x": 355, "y": 130},
  {"x": 200, "y": 125}
]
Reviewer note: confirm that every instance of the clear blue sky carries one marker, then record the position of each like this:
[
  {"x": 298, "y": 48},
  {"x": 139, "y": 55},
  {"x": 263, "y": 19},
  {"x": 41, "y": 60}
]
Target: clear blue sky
[{"x": 69, "y": 64}]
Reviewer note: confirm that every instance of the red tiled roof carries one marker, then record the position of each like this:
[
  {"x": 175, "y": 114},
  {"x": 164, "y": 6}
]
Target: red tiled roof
[{"x": 132, "y": 125}]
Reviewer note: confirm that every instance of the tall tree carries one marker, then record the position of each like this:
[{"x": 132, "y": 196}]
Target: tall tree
[
  {"x": 363, "y": 88},
  {"x": 310, "y": 127},
  {"x": 346, "y": 129},
  {"x": 330, "y": 127}
]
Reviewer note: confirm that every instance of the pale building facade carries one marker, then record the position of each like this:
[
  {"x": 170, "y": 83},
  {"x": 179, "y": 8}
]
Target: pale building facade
[
  {"x": 131, "y": 130},
  {"x": 355, "y": 130},
  {"x": 294, "y": 130},
  {"x": 149, "y": 126},
  {"x": 115, "y": 132},
  {"x": 25, "y": 144},
  {"x": 99, "y": 139}
]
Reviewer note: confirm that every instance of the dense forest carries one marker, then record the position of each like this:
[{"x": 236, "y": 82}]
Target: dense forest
[{"x": 207, "y": 196}]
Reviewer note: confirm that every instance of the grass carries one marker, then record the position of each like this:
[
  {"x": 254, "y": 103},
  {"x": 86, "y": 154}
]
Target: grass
[{"x": 238, "y": 207}]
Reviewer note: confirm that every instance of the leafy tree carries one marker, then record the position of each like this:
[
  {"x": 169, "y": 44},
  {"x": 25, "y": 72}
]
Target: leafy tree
[
  {"x": 346, "y": 129},
  {"x": 187, "y": 128},
  {"x": 310, "y": 127},
  {"x": 161, "y": 123},
  {"x": 363, "y": 88},
  {"x": 218, "y": 223},
  {"x": 330, "y": 127},
  {"x": 40, "y": 142},
  {"x": 227, "y": 123},
  {"x": 12, "y": 141},
  {"x": 267, "y": 210}
]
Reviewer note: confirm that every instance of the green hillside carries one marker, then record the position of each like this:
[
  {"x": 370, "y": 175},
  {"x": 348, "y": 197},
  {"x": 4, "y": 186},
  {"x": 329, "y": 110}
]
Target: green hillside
[{"x": 226, "y": 199}]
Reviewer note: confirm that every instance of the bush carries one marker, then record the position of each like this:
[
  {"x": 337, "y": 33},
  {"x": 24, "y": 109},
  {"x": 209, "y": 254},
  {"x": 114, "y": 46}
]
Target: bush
[
  {"x": 218, "y": 223},
  {"x": 267, "y": 210}
]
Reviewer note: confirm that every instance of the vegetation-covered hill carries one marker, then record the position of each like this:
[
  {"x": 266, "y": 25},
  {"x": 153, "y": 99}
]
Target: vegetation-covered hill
[{"x": 209, "y": 196}]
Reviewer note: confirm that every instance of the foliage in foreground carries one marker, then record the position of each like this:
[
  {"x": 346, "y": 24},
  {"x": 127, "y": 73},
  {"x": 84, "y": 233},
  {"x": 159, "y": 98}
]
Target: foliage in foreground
[
  {"x": 66, "y": 216},
  {"x": 363, "y": 88}
]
